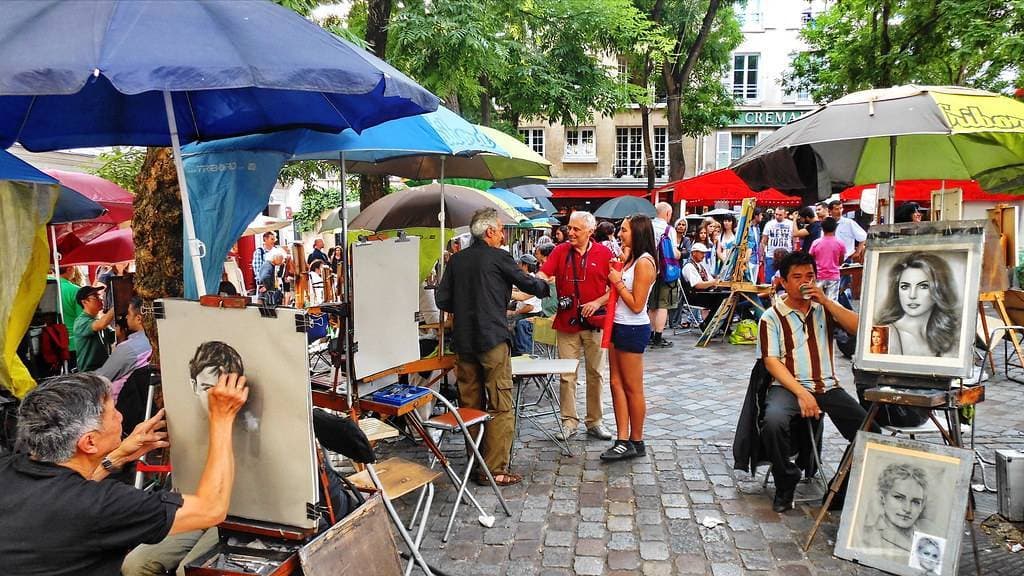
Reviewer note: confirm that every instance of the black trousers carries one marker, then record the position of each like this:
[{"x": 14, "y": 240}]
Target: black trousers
[{"x": 782, "y": 410}]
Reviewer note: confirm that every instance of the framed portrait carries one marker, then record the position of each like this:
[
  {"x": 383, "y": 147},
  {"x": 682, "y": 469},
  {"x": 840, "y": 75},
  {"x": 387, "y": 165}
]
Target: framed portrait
[
  {"x": 919, "y": 304},
  {"x": 905, "y": 506}
]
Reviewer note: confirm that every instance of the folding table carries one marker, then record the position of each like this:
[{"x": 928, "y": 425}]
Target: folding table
[{"x": 540, "y": 370}]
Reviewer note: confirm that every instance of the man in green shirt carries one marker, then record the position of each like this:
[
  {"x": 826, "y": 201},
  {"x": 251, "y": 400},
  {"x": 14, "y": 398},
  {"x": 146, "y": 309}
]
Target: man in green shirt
[
  {"x": 69, "y": 303},
  {"x": 92, "y": 329}
]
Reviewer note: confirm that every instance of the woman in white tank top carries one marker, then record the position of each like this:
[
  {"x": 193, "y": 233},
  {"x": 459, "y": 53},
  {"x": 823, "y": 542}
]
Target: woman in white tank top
[{"x": 630, "y": 334}]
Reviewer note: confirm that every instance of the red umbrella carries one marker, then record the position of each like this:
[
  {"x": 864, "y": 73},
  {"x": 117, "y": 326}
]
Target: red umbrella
[
  {"x": 112, "y": 247},
  {"x": 115, "y": 199},
  {"x": 921, "y": 191},
  {"x": 724, "y": 184}
]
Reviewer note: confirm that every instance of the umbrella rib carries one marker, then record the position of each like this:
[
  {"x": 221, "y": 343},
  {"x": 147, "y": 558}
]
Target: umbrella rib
[
  {"x": 192, "y": 114},
  {"x": 24, "y": 121},
  {"x": 336, "y": 111}
]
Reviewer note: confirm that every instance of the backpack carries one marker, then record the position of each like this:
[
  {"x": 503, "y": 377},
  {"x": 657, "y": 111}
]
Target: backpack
[
  {"x": 744, "y": 333},
  {"x": 668, "y": 264}
]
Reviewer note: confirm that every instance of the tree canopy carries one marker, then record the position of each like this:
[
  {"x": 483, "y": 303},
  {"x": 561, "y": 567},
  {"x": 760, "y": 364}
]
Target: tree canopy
[{"x": 860, "y": 44}]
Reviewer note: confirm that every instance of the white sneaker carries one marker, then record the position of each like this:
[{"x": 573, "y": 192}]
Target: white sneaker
[{"x": 565, "y": 433}]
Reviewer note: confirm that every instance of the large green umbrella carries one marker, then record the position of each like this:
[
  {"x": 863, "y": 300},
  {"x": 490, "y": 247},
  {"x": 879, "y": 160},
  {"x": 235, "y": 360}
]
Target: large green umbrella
[{"x": 901, "y": 133}]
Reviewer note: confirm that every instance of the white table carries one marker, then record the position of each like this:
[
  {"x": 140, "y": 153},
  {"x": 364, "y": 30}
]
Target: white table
[{"x": 542, "y": 372}]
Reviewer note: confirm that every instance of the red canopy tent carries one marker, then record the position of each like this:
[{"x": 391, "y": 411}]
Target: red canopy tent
[
  {"x": 115, "y": 199},
  {"x": 921, "y": 191},
  {"x": 111, "y": 247},
  {"x": 724, "y": 184}
]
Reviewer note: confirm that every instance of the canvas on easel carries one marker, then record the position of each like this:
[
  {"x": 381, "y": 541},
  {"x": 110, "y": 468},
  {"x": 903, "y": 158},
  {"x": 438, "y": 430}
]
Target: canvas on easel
[
  {"x": 275, "y": 462},
  {"x": 734, "y": 274}
]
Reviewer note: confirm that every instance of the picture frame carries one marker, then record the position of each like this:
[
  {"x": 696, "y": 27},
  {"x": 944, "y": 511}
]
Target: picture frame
[
  {"x": 919, "y": 303},
  {"x": 905, "y": 506}
]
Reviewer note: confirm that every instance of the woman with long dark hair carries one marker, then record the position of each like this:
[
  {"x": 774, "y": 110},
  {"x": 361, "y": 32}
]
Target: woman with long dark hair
[
  {"x": 728, "y": 240},
  {"x": 560, "y": 234},
  {"x": 630, "y": 334},
  {"x": 922, "y": 307}
]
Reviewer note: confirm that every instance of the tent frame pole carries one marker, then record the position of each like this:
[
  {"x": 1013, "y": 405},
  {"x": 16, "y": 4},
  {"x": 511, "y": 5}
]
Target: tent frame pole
[{"x": 440, "y": 263}]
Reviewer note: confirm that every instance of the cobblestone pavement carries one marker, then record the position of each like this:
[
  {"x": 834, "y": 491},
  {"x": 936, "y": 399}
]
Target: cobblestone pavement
[{"x": 578, "y": 515}]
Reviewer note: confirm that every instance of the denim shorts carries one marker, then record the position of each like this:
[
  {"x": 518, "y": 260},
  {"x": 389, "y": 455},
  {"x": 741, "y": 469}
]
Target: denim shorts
[{"x": 631, "y": 337}]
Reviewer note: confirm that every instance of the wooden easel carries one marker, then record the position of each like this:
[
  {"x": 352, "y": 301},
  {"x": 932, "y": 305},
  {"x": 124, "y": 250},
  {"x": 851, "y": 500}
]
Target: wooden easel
[
  {"x": 948, "y": 400},
  {"x": 739, "y": 288},
  {"x": 998, "y": 302}
]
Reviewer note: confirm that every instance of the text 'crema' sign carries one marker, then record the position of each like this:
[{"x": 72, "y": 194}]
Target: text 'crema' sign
[{"x": 767, "y": 117}]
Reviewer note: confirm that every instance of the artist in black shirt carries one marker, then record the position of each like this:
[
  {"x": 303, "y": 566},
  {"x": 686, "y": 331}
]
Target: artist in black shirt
[
  {"x": 58, "y": 514},
  {"x": 476, "y": 288}
]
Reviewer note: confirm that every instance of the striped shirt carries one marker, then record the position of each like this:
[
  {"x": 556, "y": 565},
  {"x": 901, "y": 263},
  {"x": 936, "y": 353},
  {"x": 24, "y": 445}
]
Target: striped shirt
[{"x": 803, "y": 343}]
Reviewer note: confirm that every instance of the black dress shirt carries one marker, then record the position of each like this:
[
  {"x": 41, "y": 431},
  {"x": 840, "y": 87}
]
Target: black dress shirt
[{"x": 476, "y": 288}]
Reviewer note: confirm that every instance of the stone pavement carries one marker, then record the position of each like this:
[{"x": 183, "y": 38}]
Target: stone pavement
[{"x": 578, "y": 515}]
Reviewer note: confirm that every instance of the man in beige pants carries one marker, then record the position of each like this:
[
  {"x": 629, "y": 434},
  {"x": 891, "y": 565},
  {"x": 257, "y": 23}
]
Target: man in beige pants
[{"x": 580, "y": 270}]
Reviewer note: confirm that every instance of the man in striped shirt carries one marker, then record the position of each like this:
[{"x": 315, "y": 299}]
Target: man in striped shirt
[{"x": 795, "y": 342}]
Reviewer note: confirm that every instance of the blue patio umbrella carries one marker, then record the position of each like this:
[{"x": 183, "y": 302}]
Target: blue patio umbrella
[
  {"x": 71, "y": 206},
  {"x": 518, "y": 202},
  {"x": 154, "y": 73}
]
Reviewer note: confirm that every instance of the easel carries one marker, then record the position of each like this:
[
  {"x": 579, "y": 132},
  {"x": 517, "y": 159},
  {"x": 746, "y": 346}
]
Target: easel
[
  {"x": 739, "y": 287},
  {"x": 998, "y": 302},
  {"x": 948, "y": 400}
]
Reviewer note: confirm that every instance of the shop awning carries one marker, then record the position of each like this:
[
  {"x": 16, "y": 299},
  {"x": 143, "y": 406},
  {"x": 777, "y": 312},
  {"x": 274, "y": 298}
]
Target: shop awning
[
  {"x": 724, "y": 184},
  {"x": 921, "y": 191},
  {"x": 594, "y": 192}
]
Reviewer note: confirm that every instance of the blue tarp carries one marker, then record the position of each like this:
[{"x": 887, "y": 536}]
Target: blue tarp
[
  {"x": 71, "y": 206},
  {"x": 227, "y": 191}
]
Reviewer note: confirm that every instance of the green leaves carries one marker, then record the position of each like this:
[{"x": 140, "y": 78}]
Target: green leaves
[{"x": 121, "y": 166}]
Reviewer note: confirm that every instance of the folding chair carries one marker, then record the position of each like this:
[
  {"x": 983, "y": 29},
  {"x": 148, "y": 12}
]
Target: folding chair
[
  {"x": 460, "y": 420},
  {"x": 545, "y": 339},
  {"x": 318, "y": 336},
  {"x": 814, "y": 431},
  {"x": 692, "y": 316}
]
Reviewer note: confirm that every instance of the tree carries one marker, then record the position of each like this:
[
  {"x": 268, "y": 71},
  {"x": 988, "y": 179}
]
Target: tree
[
  {"x": 378, "y": 16},
  {"x": 861, "y": 44},
  {"x": 121, "y": 166}
]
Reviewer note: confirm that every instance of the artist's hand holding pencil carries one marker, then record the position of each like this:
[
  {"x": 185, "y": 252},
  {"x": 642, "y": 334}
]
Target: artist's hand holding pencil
[{"x": 227, "y": 397}]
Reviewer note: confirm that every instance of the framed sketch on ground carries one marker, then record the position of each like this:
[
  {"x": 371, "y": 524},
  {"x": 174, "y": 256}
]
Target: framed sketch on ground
[
  {"x": 905, "y": 506},
  {"x": 920, "y": 299}
]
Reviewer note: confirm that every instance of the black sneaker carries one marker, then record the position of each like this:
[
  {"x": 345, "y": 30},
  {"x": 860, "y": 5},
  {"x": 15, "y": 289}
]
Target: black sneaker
[
  {"x": 639, "y": 447},
  {"x": 783, "y": 499},
  {"x": 621, "y": 450},
  {"x": 662, "y": 344}
]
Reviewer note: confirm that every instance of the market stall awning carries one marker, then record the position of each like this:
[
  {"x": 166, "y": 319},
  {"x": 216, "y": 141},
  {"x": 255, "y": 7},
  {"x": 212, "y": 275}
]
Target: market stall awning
[
  {"x": 594, "y": 192},
  {"x": 921, "y": 191},
  {"x": 723, "y": 185}
]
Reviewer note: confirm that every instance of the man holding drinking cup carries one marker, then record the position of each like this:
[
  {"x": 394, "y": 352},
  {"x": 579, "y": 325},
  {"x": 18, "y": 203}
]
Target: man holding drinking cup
[
  {"x": 580, "y": 270},
  {"x": 795, "y": 342}
]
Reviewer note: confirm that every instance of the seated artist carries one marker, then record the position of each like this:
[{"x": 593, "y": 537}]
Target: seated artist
[
  {"x": 700, "y": 285},
  {"x": 61, "y": 517},
  {"x": 795, "y": 343}
]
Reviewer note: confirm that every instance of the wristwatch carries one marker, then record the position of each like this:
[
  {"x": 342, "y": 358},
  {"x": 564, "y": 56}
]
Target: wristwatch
[{"x": 108, "y": 465}]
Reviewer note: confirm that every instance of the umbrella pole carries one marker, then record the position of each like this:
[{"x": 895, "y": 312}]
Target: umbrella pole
[
  {"x": 195, "y": 247},
  {"x": 60, "y": 301},
  {"x": 890, "y": 211},
  {"x": 346, "y": 285},
  {"x": 440, "y": 265}
]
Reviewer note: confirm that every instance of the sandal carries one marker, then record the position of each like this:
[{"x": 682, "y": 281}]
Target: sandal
[{"x": 500, "y": 478}]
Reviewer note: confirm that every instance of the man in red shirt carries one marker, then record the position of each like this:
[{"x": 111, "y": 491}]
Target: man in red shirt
[{"x": 580, "y": 270}]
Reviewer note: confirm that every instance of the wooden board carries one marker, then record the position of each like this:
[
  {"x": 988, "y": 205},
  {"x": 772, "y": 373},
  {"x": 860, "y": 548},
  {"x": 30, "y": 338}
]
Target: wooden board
[
  {"x": 399, "y": 477},
  {"x": 360, "y": 544}
]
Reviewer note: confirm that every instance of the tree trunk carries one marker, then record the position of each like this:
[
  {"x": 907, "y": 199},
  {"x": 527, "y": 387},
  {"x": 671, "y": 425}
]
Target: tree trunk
[
  {"x": 157, "y": 229},
  {"x": 378, "y": 15},
  {"x": 645, "y": 123},
  {"x": 485, "y": 102},
  {"x": 676, "y": 158},
  {"x": 885, "y": 46}
]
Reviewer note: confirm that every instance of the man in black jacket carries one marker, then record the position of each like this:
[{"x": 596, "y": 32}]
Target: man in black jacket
[{"x": 476, "y": 288}]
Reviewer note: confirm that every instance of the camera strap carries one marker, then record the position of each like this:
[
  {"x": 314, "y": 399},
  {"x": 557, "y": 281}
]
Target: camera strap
[{"x": 576, "y": 282}]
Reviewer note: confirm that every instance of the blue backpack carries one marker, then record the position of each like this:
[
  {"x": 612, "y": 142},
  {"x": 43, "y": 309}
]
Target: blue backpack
[{"x": 668, "y": 264}]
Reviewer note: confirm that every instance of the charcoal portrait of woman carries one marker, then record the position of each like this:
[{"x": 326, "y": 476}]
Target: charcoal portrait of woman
[{"x": 921, "y": 306}]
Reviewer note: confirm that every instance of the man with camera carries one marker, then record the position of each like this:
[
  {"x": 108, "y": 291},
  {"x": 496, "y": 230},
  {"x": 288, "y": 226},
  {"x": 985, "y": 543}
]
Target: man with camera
[{"x": 580, "y": 270}]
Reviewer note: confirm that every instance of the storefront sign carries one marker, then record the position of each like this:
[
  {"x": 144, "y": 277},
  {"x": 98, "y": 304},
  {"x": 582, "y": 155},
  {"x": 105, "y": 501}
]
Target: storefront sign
[{"x": 767, "y": 117}]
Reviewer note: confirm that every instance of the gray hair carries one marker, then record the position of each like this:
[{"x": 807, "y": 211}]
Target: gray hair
[
  {"x": 276, "y": 253},
  {"x": 545, "y": 239},
  {"x": 483, "y": 220},
  {"x": 663, "y": 208},
  {"x": 588, "y": 219},
  {"x": 54, "y": 416}
]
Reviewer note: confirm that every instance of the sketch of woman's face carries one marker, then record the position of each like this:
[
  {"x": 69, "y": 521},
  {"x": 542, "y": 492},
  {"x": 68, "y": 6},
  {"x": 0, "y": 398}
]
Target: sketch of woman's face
[
  {"x": 876, "y": 338},
  {"x": 903, "y": 503},
  {"x": 928, "y": 555},
  {"x": 915, "y": 290}
]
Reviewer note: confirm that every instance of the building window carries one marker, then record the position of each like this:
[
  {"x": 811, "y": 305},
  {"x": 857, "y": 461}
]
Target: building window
[
  {"x": 732, "y": 146},
  {"x": 534, "y": 138},
  {"x": 750, "y": 16},
  {"x": 629, "y": 152},
  {"x": 744, "y": 76},
  {"x": 622, "y": 71},
  {"x": 579, "y": 144},
  {"x": 660, "y": 149}
]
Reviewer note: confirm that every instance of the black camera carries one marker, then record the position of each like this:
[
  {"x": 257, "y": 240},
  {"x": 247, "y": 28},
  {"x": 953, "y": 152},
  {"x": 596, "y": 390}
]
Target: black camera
[{"x": 564, "y": 303}]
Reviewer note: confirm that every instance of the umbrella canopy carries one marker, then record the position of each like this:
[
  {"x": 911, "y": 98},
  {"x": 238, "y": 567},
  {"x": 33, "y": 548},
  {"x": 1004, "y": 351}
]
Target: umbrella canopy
[
  {"x": 264, "y": 223},
  {"x": 724, "y": 184},
  {"x": 116, "y": 200},
  {"x": 111, "y": 247},
  {"x": 419, "y": 207},
  {"x": 71, "y": 206},
  {"x": 719, "y": 212},
  {"x": 438, "y": 132},
  {"x": 901, "y": 133},
  {"x": 333, "y": 220},
  {"x": 519, "y": 203},
  {"x": 108, "y": 72},
  {"x": 530, "y": 190},
  {"x": 519, "y": 160},
  {"x": 625, "y": 206},
  {"x": 97, "y": 74}
]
